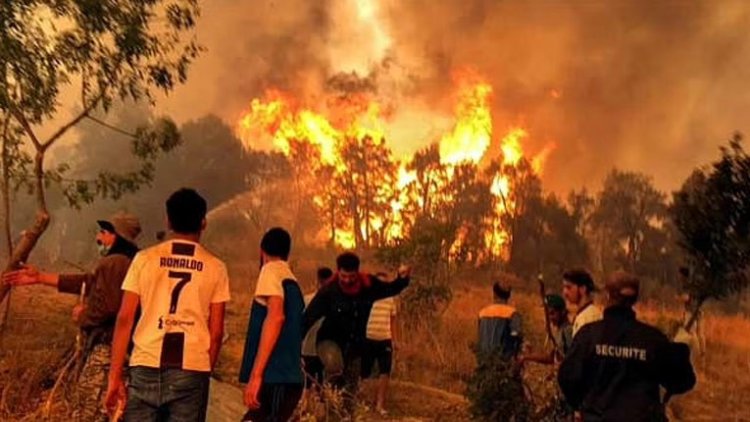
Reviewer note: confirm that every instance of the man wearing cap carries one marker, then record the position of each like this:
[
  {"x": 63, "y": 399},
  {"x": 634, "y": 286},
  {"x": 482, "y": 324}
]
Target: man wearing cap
[
  {"x": 615, "y": 367},
  {"x": 500, "y": 325},
  {"x": 578, "y": 286},
  {"x": 116, "y": 243},
  {"x": 562, "y": 331}
]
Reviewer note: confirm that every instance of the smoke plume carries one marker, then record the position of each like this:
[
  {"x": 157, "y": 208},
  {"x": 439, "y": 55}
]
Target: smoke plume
[{"x": 642, "y": 85}]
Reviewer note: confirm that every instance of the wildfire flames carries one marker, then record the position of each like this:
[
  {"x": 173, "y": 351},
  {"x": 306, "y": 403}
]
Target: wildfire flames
[{"x": 359, "y": 118}]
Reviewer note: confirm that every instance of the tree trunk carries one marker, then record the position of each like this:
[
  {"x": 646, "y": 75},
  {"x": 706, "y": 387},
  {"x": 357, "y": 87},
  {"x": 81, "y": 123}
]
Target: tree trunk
[
  {"x": 30, "y": 236},
  {"x": 5, "y": 186},
  {"x": 694, "y": 315}
]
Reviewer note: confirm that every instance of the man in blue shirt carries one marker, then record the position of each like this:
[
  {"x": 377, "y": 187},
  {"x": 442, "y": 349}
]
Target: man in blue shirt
[
  {"x": 500, "y": 325},
  {"x": 271, "y": 364}
]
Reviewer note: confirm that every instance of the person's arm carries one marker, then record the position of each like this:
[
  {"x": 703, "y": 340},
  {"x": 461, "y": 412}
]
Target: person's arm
[
  {"x": 676, "y": 373},
  {"x": 543, "y": 358},
  {"x": 220, "y": 297},
  {"x": 29, "y": 275},
  {"x": 216, "y": 329},
  {"x": 268, "y": 336},
  {"x": 104, "y": 301},
  {"x": 381, "y": 290},
  {"x": 71, "y": 283},
  {"x": 120, "y": 340},
  {"x": 315, "y": 310}
]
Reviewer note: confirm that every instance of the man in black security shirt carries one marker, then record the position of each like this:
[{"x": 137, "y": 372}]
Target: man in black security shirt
[
  {"x": 615, "y": 367},
  {"x": 345, "y": 302}
]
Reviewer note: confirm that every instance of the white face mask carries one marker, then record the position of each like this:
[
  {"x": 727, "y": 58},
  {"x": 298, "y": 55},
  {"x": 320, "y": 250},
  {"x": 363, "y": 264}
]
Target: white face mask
[{"x": 103, "y": 249}]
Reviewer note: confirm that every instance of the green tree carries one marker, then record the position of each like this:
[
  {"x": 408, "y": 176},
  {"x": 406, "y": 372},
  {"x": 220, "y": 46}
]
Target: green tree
[
  {"x": 105, "y": 50},
  {"x": 547, "y": 240},
  {"x": 712, "y": 214},
  {"x": 628, "y": 209}
]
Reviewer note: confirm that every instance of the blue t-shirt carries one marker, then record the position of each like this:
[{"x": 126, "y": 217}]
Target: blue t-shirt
[{"x": 284, "y": 365}]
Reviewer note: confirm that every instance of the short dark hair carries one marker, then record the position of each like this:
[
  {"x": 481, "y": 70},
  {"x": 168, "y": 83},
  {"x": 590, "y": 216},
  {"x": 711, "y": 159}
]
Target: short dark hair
[
  {"x": 186, "y": 210},
  {"x": 500, "y": 291},
  {"x": 347, "y": 261},
  {"x": 324, "y": 273},
  {"x": 277, "y": 242},
  {"x": 580, "y": 278}
]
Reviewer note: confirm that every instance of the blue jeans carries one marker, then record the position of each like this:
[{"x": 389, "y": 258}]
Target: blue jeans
[{"x": 173, "y": 395}]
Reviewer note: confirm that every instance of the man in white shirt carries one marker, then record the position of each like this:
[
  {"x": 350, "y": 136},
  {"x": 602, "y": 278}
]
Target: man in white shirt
[
  {"x": 578, "y": 287},
  {"x": 379, "y": 347},
  {"x": 182, "y": 290}
]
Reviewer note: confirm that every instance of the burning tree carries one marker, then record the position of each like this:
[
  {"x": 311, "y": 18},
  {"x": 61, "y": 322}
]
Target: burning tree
[
  {"x": 372, "y": 199},
  {"x": 104, "y": 50}
]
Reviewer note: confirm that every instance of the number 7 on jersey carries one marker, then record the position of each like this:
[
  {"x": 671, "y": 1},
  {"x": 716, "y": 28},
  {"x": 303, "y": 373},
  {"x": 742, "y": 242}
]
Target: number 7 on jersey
[{"x": 184, "y": 279}]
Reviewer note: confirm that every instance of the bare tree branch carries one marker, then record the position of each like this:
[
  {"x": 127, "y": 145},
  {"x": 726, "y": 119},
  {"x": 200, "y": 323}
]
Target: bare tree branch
[
  {"x": 66, "y": 127},
  {"x": 111, "y": 127}
]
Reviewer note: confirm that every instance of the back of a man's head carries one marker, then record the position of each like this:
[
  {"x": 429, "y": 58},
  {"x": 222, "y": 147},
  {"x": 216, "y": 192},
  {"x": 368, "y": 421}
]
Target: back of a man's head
[
  {"x": 347, "y": 261},
  {"x": 324, "y": 274},
  {"x": 277, "y": 243},
  {"x": 186, "y": 211},
  {"x": 501, "y": 290},
  {"x": 622, "y": 289}
]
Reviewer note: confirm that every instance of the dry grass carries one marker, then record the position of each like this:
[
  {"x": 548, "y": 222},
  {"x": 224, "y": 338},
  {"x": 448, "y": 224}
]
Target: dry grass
[{"x": 435, "y": 353}]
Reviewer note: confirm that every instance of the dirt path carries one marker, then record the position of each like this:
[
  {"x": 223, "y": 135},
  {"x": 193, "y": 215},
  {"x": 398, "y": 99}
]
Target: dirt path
[{"x": 409, "y": 402}]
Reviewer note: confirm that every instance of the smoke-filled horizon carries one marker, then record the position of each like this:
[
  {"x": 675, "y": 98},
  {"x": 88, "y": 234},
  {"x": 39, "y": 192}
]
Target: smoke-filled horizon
[{"x": 649, "y": 86}]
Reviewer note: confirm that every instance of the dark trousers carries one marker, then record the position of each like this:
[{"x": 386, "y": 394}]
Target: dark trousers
[
  {"x": 313, "y": 371},
  {"x": 173, "y": 395},
  {"x": 277, "y": 403},
  {"x": 342, "y": 369}
]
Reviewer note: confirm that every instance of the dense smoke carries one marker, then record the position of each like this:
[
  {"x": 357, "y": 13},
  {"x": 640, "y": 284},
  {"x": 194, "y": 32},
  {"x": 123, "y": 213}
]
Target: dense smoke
[{"x": 642, "y": 85}]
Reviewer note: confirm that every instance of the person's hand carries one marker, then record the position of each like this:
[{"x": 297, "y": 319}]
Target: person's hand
[
  {"x": 77, "y": 312},
  {"x": 115, "y": 399},
  {"x": 26, "y": 276},
  {"x": 252, "y": 392},
  {"x": 404, "y": 271}
]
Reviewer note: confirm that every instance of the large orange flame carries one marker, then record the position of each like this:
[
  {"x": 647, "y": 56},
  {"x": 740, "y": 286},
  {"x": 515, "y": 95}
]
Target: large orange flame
[{"x": 326, "y": 128}]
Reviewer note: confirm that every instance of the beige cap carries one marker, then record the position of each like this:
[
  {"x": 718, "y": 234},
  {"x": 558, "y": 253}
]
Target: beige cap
[
  {"x": 124, "y": 224},
  {"x": 623, "y": 284}
]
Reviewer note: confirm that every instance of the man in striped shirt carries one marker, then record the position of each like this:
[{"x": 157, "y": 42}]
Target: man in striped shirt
[{"x": 379, "y": 347}]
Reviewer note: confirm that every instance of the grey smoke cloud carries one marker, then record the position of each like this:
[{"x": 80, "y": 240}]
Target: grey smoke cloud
[{"x": 642, "y": 85}]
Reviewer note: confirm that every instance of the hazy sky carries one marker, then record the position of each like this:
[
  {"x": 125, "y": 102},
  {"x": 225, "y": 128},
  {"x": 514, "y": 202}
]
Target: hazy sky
[{"x": 653, "y": 86}]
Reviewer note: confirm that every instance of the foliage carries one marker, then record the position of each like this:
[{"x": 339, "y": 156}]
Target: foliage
[
  {"x": 495, "y": 390},
  {"x": 712, "y": 214},
  {"x": 107, "y": 50},
  {"x": 628, "y": 210},
  {"x": 209, "y": 158}
]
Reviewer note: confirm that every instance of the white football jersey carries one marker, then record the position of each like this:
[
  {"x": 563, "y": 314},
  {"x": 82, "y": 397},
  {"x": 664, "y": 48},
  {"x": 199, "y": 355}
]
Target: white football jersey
[{"x": 177, "y": 281}]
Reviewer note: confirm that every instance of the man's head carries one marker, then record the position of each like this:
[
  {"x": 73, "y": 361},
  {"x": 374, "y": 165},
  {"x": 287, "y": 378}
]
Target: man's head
[
  {"x": 276, "y": 244},
  {"x": 622, "y": 289},
  {"x": 577, "y": 286},
  {"x": 556, "y": 311},
  {"x": 324, "y": 274},
  {"x": 186, "y": 212},
  {"x": 347, "y": 265},
  {"x": 501, "y": 291},
  {"x": 123, "y": 225}
]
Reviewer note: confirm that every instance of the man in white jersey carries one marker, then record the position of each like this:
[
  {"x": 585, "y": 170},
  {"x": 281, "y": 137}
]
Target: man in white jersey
[
  {"x": 379, "y": 347},
  {"x": 578, "y": 287},
  {"x": 182, "y": 290}
]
